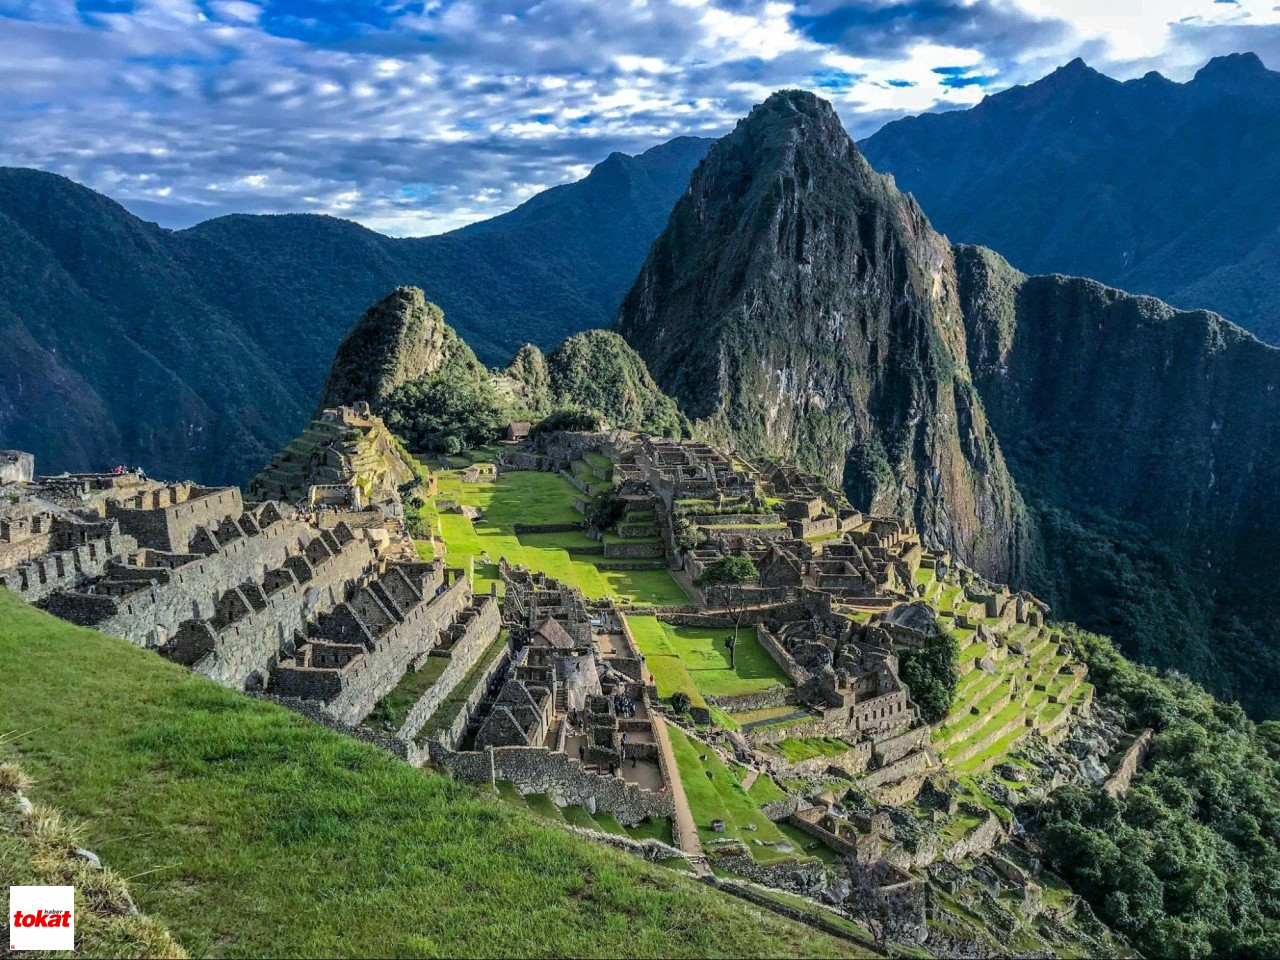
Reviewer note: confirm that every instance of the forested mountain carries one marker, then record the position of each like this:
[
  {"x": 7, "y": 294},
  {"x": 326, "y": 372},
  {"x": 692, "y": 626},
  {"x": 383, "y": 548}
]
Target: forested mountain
[
  {"x": 1170, "y": 189},
  {"x": 412, "y": 367},
  {"x": 1146, "y": 441},
  {"x": 200, "y": 352},
  {"x": 1108, "y": 451}
]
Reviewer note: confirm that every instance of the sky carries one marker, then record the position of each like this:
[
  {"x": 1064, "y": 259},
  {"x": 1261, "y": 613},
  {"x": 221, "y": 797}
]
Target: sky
[{"x": 419, "y": 117}]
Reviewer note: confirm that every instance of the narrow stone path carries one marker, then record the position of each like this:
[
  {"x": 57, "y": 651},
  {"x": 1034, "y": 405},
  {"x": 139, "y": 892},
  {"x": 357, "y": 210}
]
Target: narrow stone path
[
  {"x": 751, "y": 777},
  {"x": 686, "y": 828}
]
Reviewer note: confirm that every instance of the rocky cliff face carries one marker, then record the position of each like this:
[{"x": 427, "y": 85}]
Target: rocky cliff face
[
  {"x": 798, "y": 305},
  {"x": 1147, "y": 440},
  {"x": 399, "y": 339}
]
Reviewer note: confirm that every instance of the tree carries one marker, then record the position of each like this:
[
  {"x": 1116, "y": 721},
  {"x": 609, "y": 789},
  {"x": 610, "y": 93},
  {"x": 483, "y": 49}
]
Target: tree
[
  {"x": 931, "y": 674},
  {"x": 731, "y": 573}
]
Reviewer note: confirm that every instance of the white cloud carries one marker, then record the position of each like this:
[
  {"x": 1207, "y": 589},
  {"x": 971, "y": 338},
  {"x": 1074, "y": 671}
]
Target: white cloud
[{"x": 419, "y": 120}]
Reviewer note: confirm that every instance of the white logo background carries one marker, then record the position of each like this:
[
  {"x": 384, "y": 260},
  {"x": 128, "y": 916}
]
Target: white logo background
[{"x": 50, "y": 900}]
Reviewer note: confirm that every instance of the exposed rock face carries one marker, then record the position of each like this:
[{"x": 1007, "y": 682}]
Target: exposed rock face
[
  {"x": 1148, "y": 441},
  {"x": 400, "y": 338},
  {"x": 798, "y": 305}
]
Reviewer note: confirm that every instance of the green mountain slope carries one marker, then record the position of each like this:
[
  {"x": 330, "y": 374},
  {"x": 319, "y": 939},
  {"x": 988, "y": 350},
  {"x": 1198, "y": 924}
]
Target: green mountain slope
[
  {"x": 1147, "y": 440},
  {"x": 250, "y": 831},
  {"x": 198, "y": 353},
  {"x": 1153, "y": 186},
  {"x": 403, "y": 359}
]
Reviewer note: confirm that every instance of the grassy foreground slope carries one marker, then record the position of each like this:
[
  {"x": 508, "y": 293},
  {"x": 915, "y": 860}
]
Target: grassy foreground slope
[{"x": 250, "y": 831}]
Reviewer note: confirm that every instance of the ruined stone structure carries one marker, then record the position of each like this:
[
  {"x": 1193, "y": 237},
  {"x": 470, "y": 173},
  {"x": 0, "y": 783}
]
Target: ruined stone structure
[
  {"x": 16, "y": 467},
  {"x": 533, "y": 598},
  {"x": 345, "y": 457},
  {"x": 353, "y": 655}
]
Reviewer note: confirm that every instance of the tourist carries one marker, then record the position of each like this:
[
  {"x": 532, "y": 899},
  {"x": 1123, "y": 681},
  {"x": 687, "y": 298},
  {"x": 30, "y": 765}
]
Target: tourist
[{"x": 582, "y": 752}]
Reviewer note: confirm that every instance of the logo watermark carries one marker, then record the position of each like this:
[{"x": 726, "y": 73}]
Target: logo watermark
[{"x": 42, "y": 918}]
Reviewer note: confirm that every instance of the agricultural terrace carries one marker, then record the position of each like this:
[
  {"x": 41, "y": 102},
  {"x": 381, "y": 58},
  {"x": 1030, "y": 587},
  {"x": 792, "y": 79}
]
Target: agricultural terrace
[
  {"x": 531, "y": 498},
  {"x": 238, "y": 822},
  {"x": 695, "y": 660},
  {"x": 1024, "y": 683}
]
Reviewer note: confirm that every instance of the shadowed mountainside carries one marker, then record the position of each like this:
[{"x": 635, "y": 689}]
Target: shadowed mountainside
[
  {"x": 200, "y": 352},
  {"x": 1149, "y": 185}
]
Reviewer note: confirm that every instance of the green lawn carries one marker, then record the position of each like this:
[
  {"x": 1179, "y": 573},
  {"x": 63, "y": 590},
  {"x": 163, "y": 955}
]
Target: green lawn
[
  {"x": 806, "y": 748},
  {"x": 534, "y": 498},
  {"x": 705, "y": 658},
  {"x": 721, "y": 797},
  {"x": 250, "y": 831},
  {"x": 395, "y": 706}
]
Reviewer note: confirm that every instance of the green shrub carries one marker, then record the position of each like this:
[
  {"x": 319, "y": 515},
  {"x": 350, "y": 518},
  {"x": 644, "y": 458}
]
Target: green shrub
[{"x": 932, "y": 673}]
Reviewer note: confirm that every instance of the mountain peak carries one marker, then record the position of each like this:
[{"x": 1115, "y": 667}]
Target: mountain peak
[
  {"x": 790, "y": 105},
  {"x": 400, "y": 338},
  {"x": 1231, "y": 68},
  {"x": 1069, "y": 75}
]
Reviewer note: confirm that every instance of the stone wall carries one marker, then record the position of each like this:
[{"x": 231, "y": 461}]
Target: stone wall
[
  {"x": 804, "y": 877},
  {"x": 982, "y": 839},
  {"x": 248, "y": 647},
  {"x": 381, "y": 668},
  {"x": 892, "y": 749},
  {"x": 562, "y": 778},
  {"x": 633, "y": 549},
  {"x": 852, "y": 761},
  {"x": 43, "y": 576},
  {"x": 479, "y": 634},
  {"x": 777, "y": 810},
  {"x": 773, "y": 646},
  {"x": 188, "y": 590},
  {"x": 1118, "y": 783},
  {"x": 17, "y": 466},
  {"x": 775, "y": 696},
  {"x": 444, "y": 741},
  {"x": 170, "y": 525},
  {"x": 813, "y": 829}
]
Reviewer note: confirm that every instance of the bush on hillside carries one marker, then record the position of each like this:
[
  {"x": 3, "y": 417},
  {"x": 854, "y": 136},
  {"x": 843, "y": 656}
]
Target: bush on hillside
[
  {"x": 1188, "y": 863},
  {"x": 448, "y": 411},
  {"x": 932, "y": 673}
]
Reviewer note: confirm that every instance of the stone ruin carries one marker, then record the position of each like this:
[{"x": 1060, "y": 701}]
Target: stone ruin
[
  {"x": 570, "y": 716},
  {"x": 258, "y": 597},
  {"x": 345, "y": 459}
]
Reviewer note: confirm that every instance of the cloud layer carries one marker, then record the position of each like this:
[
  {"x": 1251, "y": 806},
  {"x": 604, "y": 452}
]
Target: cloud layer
[{"x": 417, "y": 117}]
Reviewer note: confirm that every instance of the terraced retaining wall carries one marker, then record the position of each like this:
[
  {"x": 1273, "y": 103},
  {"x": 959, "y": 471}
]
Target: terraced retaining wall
[
  {"x": 479, "y": 634},
  {"x": 562, "y": 778}
]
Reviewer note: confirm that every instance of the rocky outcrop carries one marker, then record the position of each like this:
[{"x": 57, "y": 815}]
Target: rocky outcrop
[
  {"x": 401, "y": 338},
  {"x": 798, "y": 305}
]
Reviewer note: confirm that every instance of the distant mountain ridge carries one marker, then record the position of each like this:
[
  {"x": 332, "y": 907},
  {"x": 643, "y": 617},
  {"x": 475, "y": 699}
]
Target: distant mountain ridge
[
  {"x": 200, "y": 352},
  {"x": 1156, "y": 187}
]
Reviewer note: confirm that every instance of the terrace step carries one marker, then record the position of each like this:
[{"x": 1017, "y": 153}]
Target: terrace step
[{"x": 774, "y": 721}]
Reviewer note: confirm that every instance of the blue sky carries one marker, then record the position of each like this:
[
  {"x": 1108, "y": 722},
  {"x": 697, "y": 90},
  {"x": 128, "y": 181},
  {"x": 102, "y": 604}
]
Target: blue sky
[{"x": 417, "y": 117}]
